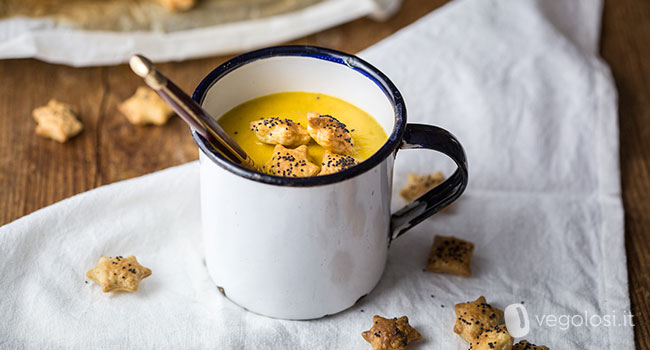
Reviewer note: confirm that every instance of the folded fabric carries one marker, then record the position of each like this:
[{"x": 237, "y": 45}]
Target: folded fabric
[{"x": 215, "y": 28}]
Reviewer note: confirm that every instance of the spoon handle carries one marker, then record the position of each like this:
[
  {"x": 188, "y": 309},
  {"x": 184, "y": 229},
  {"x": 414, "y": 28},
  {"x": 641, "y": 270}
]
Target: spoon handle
[{"x": 190, "y": 111}]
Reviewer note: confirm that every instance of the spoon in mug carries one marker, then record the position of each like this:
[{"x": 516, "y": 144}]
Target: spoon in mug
[{"x": 190, "y": 111}]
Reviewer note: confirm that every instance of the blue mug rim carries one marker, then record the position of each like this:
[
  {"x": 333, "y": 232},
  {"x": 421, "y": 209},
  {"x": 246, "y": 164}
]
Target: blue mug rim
[{"x": 351, "y": 61}]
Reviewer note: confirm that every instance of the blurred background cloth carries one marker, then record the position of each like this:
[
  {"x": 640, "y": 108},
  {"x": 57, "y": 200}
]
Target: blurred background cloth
[
  {"x": 104, "y": 33},
  {"x": 521, "y": 86}
]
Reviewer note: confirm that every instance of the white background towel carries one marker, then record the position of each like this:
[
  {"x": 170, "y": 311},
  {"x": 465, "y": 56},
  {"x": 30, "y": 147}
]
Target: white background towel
[
  {"x": 518, "y": 82},
  {"x": 45, "y": 39}
]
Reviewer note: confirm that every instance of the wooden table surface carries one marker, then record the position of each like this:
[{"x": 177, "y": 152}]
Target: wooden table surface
[{"x": 35, "y": 172}]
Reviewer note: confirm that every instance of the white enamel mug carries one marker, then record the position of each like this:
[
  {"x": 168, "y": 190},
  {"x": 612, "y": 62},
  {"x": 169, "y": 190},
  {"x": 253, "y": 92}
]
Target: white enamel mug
[{"x": 303, "y": 248}]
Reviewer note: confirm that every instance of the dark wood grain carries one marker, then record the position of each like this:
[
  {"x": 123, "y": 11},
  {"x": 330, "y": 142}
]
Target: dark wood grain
[
  {"x": 35, "y": 172},
  {"x": 625, "y": 45}
]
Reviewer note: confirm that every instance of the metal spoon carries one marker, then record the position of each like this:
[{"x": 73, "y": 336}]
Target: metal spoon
[{"x": 190, "y": 111}]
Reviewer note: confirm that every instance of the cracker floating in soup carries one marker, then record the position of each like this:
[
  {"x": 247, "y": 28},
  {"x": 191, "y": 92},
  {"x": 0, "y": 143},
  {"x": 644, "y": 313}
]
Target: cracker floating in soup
[
  {"x": 333, "y": 163},
  {"x": 291, "y": 162},
  {"x": 276, "y": 131},
  {"x": 330, "y": 133}
]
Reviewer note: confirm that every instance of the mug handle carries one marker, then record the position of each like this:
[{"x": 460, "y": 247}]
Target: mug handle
[{"x": 437, "y": 139}]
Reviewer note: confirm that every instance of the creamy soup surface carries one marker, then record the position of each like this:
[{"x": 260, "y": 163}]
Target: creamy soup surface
[{"x": 367, "y": 134}]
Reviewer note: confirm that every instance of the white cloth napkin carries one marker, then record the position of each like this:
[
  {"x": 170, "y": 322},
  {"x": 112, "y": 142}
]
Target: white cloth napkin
[{"x": 518, "y": 82}]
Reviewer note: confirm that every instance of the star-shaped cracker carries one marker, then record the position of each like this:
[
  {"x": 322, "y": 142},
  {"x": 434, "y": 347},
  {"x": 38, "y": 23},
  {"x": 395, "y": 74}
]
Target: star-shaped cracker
[
  {"x": 290, "y": 162},
  {"x": 451, "y": 255},
  {"x": 333, "y": 163},
  {"x": 276, "y": 131},
  {"x": 146, "y": 107},
  {"x": 57, "y": 121},
  {"x": 525, "y": 345},
  {"x": 472, "y": 318},
  {"x": 118, "y": 274},
  {"x": 330, "y": 133},
  {"x": 495, "y": 338},
  {"x": 390, "y": 334},
  {"x": 419, "y": 184}
]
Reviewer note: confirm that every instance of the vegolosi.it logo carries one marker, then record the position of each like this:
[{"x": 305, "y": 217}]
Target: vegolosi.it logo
[{"x": 518, "y": 321}]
